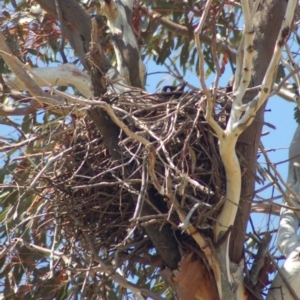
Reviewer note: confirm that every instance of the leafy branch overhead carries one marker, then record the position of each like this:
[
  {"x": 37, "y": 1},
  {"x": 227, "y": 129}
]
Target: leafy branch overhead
[{"x": 104, "y": 181}]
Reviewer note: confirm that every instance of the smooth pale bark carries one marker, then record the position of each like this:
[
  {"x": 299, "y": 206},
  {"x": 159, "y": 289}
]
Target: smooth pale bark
[
  {"x": 266, "y": 22},
  {"x": 288, "y": 241},
  {"x": 19, "y": 70},
  {"x": 291, "y": 272},
  {"x": 64, "y": 75},
  {"x": 237, "y": 123},
  {"x": 129, "y": 62}
]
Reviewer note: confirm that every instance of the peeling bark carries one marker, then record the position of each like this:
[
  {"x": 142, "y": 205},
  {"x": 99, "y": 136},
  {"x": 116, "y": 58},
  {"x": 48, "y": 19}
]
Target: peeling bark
[{"x": 191, "y": 273}]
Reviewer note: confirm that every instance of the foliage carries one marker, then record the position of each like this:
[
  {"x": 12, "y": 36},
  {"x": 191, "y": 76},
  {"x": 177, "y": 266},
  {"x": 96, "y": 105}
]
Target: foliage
[{"x": 53, "y": 165}]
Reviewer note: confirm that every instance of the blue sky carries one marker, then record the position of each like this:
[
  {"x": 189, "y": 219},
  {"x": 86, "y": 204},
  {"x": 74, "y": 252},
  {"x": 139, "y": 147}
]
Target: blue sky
[{"x": 281, "y": 115}]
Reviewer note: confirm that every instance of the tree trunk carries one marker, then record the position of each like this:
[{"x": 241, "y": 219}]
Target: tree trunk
[{"x": 267, "y": 22}]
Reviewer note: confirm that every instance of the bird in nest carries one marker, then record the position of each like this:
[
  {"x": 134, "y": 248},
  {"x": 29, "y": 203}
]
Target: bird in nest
[{"x": 169, "y": 92}]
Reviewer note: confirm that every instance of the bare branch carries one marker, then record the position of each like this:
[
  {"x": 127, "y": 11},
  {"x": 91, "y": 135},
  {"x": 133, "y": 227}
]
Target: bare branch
[
  {"x": 208, "y": 95},
  {"x": 64, "y": 75},
  {"x": 31, "y": 246},
  {"x": 245, "y": 69},
  {"x": 235, "y": 126},
  {"x": 241, "y": 51},
  {"x": 17, "y": 68},
  {"x": 17, "y": 111}
]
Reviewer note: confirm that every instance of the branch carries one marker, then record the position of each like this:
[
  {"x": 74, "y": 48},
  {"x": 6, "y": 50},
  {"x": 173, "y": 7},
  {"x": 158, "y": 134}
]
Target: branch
[
  {"x": 233, "y": 176},
  {"x": 48, "y": 252},
  {"x": 268, "y": 208},
  {"x": 17, "y": 111},
  {"x": 208, "y": 95},
  {"x": 235, "y": 127},
  {"x": 76, "y": 24},
  {"x": 229, "y": 138},
  {"x": 64, "y": 75},
  {"x": 18, "y": 69},
  {"x": 181, "y": 30},
  {"x": 267, "y": 83},
  {"x": 129, "y": 62},
  {"x": 244, "y": 71},
  {"x": 288, "y": 239},
  {"x": 240, "y": 61},
  {"x": 286, "y": 94}
]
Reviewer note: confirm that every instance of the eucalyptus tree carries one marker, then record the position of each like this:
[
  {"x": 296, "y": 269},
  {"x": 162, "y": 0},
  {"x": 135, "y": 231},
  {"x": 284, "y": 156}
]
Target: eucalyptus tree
[{"x": 110, "y": 191}]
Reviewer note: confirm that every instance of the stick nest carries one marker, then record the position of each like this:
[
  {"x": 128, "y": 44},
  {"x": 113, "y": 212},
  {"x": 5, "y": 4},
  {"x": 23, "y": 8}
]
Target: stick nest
[{"x": 92, "y": 194}]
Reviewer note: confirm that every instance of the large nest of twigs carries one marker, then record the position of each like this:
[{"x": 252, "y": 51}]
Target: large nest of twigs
[{"x": 92, "y": 193}]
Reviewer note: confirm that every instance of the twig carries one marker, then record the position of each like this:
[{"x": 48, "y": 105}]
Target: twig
[
  {"x": 54, "y": 243},
  {"x": 87, "y": 274},
  {"x": 216, "y": 61},
  {"x": 186, "y": 222},
  {"x": 284, "y": 80},
  {"x": 207, "y": 93},
  {"x": 287, "y": 198},
  {"x": 144, "y": 185},
  {"x": 31, "y": 246},
  {"x": 149, "y": 217},
  {"x": 198, "y": 44},
  {"x": 111, "y": 273},
  {"x": 50, "y": 161},
  {"x": 183, "y": 31}
]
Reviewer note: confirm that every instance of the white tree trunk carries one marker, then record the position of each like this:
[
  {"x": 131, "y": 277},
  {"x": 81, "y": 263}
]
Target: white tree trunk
[{"x": 288, "y": 241}]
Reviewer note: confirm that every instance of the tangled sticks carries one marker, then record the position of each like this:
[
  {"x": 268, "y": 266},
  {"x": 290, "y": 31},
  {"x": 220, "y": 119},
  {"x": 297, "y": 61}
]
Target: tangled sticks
[{"x": 91, "y": 192}]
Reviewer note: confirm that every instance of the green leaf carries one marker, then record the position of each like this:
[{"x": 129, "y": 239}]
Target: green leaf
[
  {"x": 184, "y": 55},
  {"x": 26, "y": 124},
  {"x": 166, "y": 49},
  {"x": 297, "y": 114}
]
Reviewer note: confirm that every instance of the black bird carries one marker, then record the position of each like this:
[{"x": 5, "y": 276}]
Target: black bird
[
  {"x": 230, "y": 85},
  {"x": 175, "y": 92}
]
